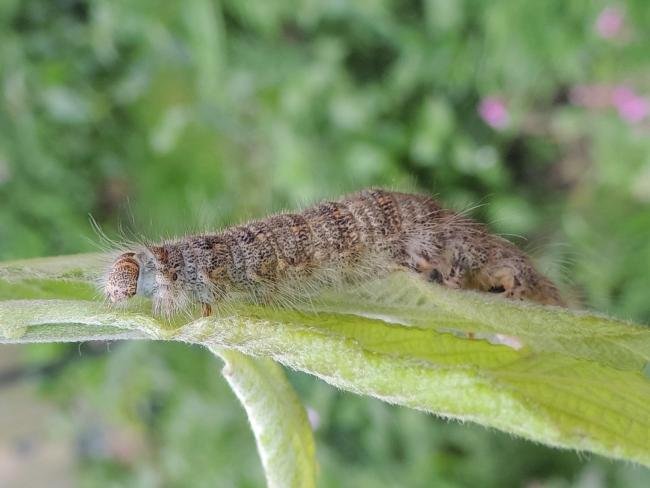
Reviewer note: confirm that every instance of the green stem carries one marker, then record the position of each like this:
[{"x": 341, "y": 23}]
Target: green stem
[{"x": 277, "y": 417}]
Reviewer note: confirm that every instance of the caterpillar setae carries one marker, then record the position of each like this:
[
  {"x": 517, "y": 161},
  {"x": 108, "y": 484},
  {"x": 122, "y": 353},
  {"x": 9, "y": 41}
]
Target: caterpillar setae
[{"x": 290, "y": 255}]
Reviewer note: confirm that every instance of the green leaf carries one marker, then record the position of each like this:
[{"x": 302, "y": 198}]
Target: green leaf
[{"x": 576, "y": 382}]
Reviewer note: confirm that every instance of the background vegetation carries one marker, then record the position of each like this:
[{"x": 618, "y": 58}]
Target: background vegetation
[{"x": 166, "y": 117}]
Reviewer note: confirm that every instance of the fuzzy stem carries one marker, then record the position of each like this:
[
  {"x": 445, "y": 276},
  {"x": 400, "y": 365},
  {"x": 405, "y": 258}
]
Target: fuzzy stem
[{"x": 277, "y": 417}]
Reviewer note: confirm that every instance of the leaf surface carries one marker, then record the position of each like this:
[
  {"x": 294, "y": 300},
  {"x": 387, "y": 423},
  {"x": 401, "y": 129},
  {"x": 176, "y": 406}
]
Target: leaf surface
[{"x": 575, "y": 379}]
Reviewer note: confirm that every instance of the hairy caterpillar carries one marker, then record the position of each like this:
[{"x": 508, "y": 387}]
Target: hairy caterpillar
[{"x": 285, "y": 256}]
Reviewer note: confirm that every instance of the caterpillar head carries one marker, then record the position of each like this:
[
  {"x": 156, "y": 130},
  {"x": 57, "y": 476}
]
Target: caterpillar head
[
  {"x": 154, "y": 272},
  {"x": 122, "y": 279}
]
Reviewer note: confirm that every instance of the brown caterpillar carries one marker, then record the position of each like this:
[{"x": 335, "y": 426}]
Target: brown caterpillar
[{"x": 364, "y": 235}]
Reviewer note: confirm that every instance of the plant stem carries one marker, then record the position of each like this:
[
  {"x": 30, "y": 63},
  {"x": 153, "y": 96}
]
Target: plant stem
[{"x": 278, "y": 420}]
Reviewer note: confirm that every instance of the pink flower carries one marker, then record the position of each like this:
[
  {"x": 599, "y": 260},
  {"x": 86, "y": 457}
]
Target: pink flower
[
  {"x": 622, "y": 94},
  {"x": 494, "y": 112},
  {"x": 610, "y": 22},
  {"x": 631, "y": 107}
]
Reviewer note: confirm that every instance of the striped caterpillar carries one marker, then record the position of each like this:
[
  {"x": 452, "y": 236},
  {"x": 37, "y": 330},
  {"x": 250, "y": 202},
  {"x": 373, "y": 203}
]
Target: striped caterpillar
[{"x": 288, "y": 256}]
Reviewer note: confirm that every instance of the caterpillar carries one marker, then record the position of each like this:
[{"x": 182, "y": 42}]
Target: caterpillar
[{"x": 290, "y": 255}]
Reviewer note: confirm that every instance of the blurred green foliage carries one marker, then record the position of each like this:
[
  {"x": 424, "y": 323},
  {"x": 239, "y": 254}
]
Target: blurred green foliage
[{"x": 159, "y": 118}]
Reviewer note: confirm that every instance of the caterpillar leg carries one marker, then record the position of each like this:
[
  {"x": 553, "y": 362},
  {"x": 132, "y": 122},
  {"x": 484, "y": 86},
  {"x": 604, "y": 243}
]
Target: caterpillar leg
[
  {"x": 505, "y": 280},
  {"x": 515, "y": 278},
  {"x": 440, "y": 271}
]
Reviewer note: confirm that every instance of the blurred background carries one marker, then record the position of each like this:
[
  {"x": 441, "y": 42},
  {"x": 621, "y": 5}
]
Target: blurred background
[{"x": 165, "y": 117}]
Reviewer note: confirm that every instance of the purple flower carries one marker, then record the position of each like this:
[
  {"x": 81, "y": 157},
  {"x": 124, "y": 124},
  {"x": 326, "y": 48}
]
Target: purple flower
[
  {"x": 609, "y": 23},
  {"x": 631, "y": 107},
  {"x": 494, "y": 112}
]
